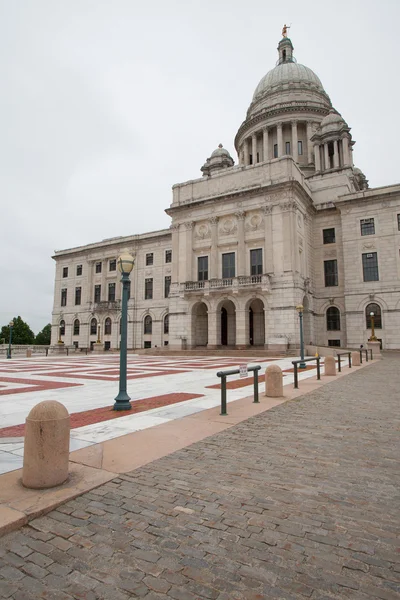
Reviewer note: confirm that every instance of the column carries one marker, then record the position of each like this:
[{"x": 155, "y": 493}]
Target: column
[
  {"x": 317, "y": 158},
  {"x": 268, "y": 241},
  {"x": 241, "y": 250},
  {"x": 214, "y": 248},
  {"x": 212, "y": 329},
  {"x": 241, "y": 329},
  {"x": 246, "y": 152},
  {"x": 189, "y": 250},
  {"x": 335, "y": 154},
  {"x": 309, "y": 144},
  {"x": 279, "y": 139},
  {"x": 175, "y": 253},
  {"x": 265, "y": 144},
  {"x": 326, "y": 157},
  {"x": 254, "y": 147},
  {"x": 346, "y": 153},
  {"x": 295, "y": 152}
]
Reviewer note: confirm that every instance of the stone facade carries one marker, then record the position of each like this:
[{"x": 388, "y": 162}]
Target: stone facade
[{"x": 293, "y": 223}]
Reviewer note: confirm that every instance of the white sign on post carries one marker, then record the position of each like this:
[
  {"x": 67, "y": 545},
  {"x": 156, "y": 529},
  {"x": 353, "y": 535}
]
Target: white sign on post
[{"x": 243, "y": 371}]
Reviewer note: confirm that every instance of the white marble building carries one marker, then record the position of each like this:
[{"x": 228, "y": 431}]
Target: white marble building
[{"x": 294, "y": 222}]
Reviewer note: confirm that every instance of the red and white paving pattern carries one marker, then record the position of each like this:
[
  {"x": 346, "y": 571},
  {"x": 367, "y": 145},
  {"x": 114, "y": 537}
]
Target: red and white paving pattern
[{"x": 161, "y": 389}]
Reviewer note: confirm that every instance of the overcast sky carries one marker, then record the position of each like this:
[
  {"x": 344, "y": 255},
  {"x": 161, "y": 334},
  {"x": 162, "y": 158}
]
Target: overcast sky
[{"x": 105, "y": 104}]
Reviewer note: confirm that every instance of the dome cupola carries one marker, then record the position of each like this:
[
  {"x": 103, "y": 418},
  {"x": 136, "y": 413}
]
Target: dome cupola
[
  {"x": 332, "y": 143},
  {"x": 219, "y": 159}
]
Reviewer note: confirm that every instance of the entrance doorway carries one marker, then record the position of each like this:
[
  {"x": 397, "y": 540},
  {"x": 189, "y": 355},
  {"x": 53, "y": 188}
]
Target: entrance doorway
[
  {"x": 256, "y": 322},
  {"x": 226, "y": 323}
]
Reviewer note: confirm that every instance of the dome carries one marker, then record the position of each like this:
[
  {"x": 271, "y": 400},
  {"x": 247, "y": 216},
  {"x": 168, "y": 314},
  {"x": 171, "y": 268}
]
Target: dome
[
  {"x": 288, "y": 73},
  {"x": 220, "y": 151},
  {"x": 332, "y": 122}
]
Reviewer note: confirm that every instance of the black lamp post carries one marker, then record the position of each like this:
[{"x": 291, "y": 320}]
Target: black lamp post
[
  {"x": 125, "y": 265},
  {"x": 373, "y": 337},
  {"x": 300, "y": 310},
  {"x": 10, "y": 325}
]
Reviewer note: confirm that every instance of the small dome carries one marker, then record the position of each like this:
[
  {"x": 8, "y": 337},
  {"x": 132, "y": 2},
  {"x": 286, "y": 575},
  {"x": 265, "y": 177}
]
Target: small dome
[
  {"x": 332, "y": 121},
  {"x": 288, "y": 73},
  {"x": 220, "y": 151},
  {"x": 48, "y": 410}
]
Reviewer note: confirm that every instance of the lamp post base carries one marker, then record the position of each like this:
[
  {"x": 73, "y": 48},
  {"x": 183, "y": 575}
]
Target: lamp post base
[
  {"x": 302, "y": 365},
  {"x": 122, "y": 402},
  {"x": 8, "y": 354}
]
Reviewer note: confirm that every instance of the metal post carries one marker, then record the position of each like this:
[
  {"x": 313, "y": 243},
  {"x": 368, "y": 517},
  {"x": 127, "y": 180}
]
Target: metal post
[
  {"x": 360, "y": 357},
  {"x": 11, "y": 325},
  {"x": 318, "y": 368},
  {"x": 349, "y": 360},
  {"x": 302, "y": 365},
  {"x": 296, "y": 379},
  {"x": 122, "y": 400},
  {"x": 339, "y": 363},
  {"x": 256, "y": 400},
  {"x": 223, "y": 395}
]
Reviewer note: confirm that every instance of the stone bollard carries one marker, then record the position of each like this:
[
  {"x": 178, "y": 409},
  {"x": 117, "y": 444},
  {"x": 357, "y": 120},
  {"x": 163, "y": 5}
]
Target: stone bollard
[
  {"x": 330, "y": 365},
  {"x": 46, "y": 448},
  {"x": 355, "y": 359},
  {"x": 273, "y": 382},
  {"x": 28, "y": 353},
  {"x": 376, "y": 350}
]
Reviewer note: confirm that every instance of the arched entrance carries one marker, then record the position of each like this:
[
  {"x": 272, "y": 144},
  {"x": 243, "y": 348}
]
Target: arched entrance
[
  {"x": 226, "y": 323},
  {"x": 256, "y": 320},
  {"x": 199, "y": 324}
]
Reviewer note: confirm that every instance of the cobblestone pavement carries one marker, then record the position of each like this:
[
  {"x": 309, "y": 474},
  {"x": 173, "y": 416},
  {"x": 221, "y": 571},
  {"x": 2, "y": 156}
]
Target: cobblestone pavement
[{"x": 299, "y": 502}]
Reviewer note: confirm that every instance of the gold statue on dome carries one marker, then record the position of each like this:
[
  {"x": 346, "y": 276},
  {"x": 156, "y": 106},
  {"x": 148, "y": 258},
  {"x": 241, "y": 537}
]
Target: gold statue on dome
[{"x": 284, "y": 30}]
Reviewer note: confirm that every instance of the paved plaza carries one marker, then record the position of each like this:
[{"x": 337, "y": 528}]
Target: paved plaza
[
  {"x": 301, "y": 501},
  {"x": 162, "y": 389}
]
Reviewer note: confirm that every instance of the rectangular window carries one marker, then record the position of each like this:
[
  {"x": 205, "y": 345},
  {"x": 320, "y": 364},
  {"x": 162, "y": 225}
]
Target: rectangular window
[
  {"x": 78, "y": 293},
  {"x": 148, "y": 289},
  {"x": 97, "y": 293},
  {"x": 287, "y": 147},
  {"x": 334, "y": 343},
  {"x": 111, "y": 292},
  {"x": 370, "y": 266},
  {"x": 367, "y": 226},
  {"x": 149, "y": 259},
  {"x": 168, "y": 256},
  {"x": 228, "y": 265},
  {"x": 65, "y": 271},
  {"x": 329, "y": 235},
  {"x": 113, "y": 264},
  {"x": 98, "y": 267},
  {"x": 275, "y": 150},
  {"x": 167, "y": 285},
  {"x": 64, "y": 297},
  {"x": 331, "y": 274},
  {"x": 147, "y": 344},
  {"x": 78, "y": 270},
  {"x": 398, "y": 222},
  {"x": 256, "y": 267},
  {"x": 202, "y": 268},
  {"x": 300, "y": 148}
]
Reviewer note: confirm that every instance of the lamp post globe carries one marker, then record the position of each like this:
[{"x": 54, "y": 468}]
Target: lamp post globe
[
  {"x": 300, "y": 310},
  {"x": 125, "y": 264},
  {"x": 10, "y": 326}
]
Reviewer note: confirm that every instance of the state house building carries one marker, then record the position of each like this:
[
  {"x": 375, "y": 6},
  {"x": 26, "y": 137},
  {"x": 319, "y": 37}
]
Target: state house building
[{"x": 293, "y": 222}]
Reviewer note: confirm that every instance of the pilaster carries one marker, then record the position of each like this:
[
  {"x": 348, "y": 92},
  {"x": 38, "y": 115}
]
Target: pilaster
[{"x": 241, "y": 253}]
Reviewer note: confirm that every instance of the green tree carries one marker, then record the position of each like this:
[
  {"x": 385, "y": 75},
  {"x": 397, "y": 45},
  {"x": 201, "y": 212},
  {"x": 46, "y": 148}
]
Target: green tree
[
  {"x": 43, "y": 337},
  {"x": 21, "y": 334}
]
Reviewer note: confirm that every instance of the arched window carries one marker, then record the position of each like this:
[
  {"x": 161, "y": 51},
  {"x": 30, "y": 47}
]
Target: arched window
[
  {"x": 376, "y": 309},
  {"x": 76, "y": 327},
  {"x": 148, "y": 324},
  {"x": 93, "y": 326},
  {"x": 107, "y": 326},
  {"x": 333, "y": 319},
  {"x": 62, "y": 327},
  {"x": 166, "y": 324}
]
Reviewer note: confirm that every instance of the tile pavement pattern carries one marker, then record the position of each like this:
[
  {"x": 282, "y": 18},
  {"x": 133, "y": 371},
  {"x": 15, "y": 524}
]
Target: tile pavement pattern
[{"x": 299, "y": 502}]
